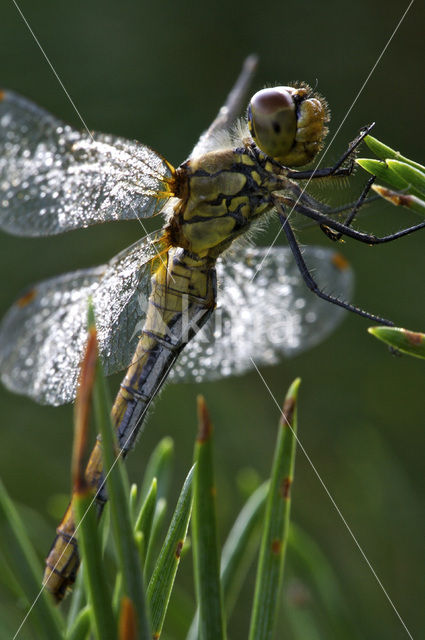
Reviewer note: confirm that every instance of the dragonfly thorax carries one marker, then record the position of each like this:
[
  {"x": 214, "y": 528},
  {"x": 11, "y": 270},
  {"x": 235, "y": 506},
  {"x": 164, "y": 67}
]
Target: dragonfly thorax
[{"x": 222, "y": 193}]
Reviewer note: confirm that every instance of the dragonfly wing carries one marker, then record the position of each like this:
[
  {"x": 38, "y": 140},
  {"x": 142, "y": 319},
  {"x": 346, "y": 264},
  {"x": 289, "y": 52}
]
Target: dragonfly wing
[
  {"x": 213, "y": 137},
  {"x": 265, "y": 317},
  {"x": 43, "y": 335},
  {"x": 54, "y": 178}
]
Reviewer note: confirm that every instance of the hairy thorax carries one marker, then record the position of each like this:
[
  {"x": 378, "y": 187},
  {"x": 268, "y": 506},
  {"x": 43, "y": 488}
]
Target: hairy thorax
[{"x": 221, "y": 194}]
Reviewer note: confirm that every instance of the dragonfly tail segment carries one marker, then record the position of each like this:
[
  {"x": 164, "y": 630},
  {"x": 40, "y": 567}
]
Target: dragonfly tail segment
[{"x": 183, "y": 297}]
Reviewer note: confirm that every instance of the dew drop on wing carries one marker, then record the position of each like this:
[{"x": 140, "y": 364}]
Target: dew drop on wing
[{"x": 263, "y": 323}]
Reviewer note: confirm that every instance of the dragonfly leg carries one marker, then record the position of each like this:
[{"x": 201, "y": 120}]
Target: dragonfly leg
[
  {"x": 311, "y": 283},
  {"x": 345, "y": 230},
  {"x": 336, "y": 235},
  {"x": 334, "y": 211}
]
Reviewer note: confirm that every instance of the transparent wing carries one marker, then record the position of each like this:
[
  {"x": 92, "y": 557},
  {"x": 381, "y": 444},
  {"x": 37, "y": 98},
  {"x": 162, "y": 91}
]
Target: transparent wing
[
  {"x": 229, "y": 112},
  {"x": 42, "y": 337},
  {"x": 265, "y": 318},
  {"x": 54, "y": 178}
]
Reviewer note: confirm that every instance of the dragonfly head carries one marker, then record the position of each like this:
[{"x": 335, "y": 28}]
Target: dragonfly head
[{"x": 288, "y": 123}]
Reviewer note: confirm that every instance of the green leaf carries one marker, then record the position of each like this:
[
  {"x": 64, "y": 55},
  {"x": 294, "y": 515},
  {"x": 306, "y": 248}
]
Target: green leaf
[
  {"x": 120, "y": 512},
  {"x": 161, "y": 583},
  {"x": 20, "y": 557},
  {"x": 384, "y": 152},
  {"x": 412, "y": 175},
  {"x": 274, "y": 540},
  {"x": 400, "y": 173},
  {"x": 205, "y": 543},
  {"x": 410, "y": 342},
  {"x": 382, "y": 171}
]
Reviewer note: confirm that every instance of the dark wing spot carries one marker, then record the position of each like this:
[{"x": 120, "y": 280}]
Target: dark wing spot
[
  {"x": 27, "y": 298},
  {"x": 340, "y": 262}
]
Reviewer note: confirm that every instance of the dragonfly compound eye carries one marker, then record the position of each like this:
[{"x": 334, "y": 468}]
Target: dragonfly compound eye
[{"x": 288, "y": 123}]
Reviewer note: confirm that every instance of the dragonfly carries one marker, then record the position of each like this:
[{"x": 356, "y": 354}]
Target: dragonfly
[{"x": 159, "y": 295}]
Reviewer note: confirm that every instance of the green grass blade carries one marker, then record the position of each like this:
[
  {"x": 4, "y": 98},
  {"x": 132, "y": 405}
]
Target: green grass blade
[
  {"x": 383, "y": 172},
  {"x": 81, "y": 626},
  {"x": 84, "y": 507},
  {"x": 274, "y": 540},
  {"x": 117, "y": 593},
  {"x": 384, "y": 152},
  {"x": 90, "y": 547},
  {"x": 235, "y": 557},
  {"x": 403, "y": 175},
  {"x": 119, "y": 508},
  {"x": 414, "y": 177},
  {"x": 154, "y": 543},
  {"x": 161, "y": 583},
  {"x": 238, "y": 552},
  {"x": 139, "y": 539},
  {"x": 21, "y": 559},
  {"x": 160, "y": 467},
  {"x": 144, "y": 519},
  {"x": 132, "y": 502},
  {"x": 410, "y": 342},
  {"x": 77, "y": 598},
  {"x": 205, "y": 543}
]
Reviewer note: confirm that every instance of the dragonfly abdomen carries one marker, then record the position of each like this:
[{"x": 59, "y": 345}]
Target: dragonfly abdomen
[{"x": 183, "y": 297}]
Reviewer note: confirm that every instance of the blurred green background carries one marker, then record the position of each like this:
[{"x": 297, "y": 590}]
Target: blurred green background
[{"x": 159, "y": 72}]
